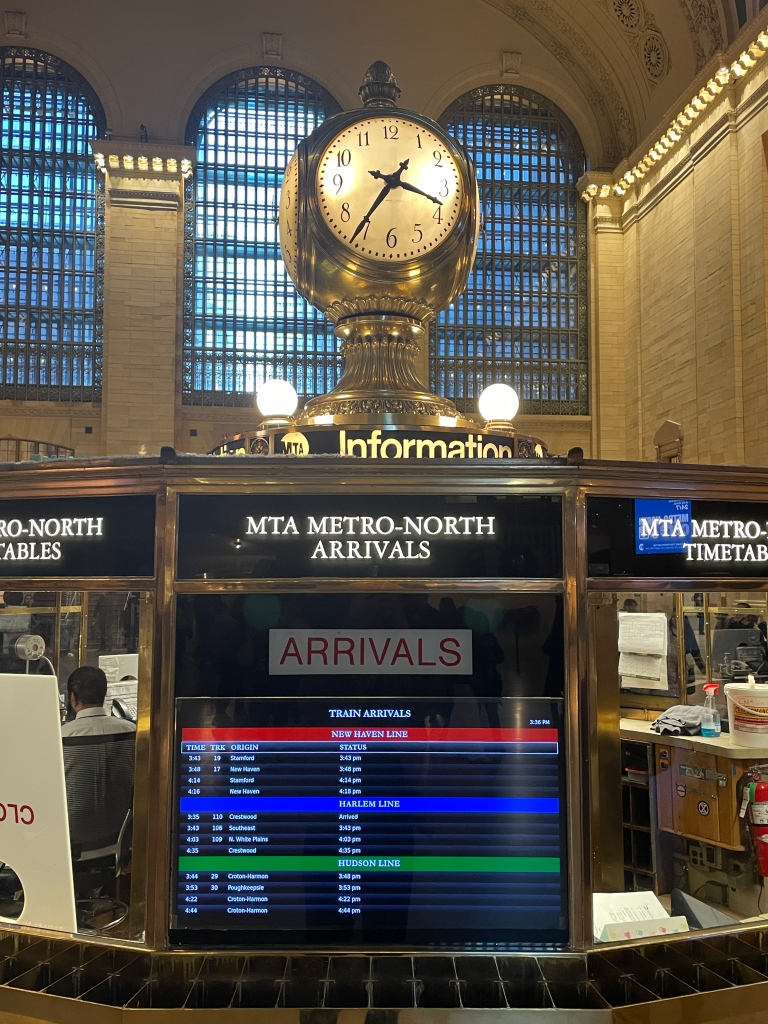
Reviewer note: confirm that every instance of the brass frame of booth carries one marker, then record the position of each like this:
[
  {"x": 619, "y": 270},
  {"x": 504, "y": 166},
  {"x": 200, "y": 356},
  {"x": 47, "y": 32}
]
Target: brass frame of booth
[{"x": 592, "y": 732}]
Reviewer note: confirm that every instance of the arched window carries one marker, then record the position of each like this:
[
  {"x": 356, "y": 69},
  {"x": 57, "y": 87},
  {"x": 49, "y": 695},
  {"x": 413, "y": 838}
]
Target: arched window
[
  {"x": 51, "y": 231},
  {"x": 523, "y": 316},
  {"x": 244, "y": 320}
]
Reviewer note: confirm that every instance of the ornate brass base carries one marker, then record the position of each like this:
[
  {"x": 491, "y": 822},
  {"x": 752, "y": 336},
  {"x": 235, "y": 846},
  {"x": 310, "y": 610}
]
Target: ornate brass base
[{"x": 379, "y": 377}]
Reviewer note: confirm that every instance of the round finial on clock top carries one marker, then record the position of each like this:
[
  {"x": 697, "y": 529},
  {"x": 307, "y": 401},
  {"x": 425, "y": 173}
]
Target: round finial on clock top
[{"x": 379, "y": 88}]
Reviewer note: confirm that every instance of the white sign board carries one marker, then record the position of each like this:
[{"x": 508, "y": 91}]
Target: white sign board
[
  {"x": 385, "y": 652},
  {"x": 34, "y": 829}
]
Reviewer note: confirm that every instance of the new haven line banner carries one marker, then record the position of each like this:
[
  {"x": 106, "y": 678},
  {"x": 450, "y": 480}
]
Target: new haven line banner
[{"x": 387, "y": 652}]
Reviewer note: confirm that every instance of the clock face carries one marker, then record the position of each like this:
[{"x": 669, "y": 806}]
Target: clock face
[
  {"x": 289, "y": 215},
  {"x": 389, "y": 189}
]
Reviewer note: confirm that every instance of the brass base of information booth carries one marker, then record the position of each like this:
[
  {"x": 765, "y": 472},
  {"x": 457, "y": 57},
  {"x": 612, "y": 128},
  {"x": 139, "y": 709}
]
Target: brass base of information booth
[
  {"x": 393, "y": 742},
  {"x": 720, "y": 980}
]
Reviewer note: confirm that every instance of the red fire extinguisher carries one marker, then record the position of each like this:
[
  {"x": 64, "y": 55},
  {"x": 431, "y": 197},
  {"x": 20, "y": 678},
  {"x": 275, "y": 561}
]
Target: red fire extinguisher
[{"x": 756, "y": 797}]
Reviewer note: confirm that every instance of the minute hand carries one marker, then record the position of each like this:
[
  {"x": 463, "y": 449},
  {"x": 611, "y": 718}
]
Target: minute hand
[
  {"x": 412, "y": 188},
  {"x": 376, "y": 203}
]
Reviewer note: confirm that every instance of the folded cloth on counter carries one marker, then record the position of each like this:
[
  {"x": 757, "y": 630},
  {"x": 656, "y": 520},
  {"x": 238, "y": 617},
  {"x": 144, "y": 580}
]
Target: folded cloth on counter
[{"x": 682, "y": 718}]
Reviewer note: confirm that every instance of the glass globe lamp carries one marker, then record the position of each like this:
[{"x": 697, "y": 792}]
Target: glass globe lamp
[
  {"x": 498, "y": 405},
  {"x": 277, "y": 400}
]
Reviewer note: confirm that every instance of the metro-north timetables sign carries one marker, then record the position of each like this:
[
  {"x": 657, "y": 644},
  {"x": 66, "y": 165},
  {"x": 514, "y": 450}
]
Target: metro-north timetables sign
[
  {"x": 239, "y": 536},
  {"x": 79, "y": 537},
  {"x": 677, "y": 537}
]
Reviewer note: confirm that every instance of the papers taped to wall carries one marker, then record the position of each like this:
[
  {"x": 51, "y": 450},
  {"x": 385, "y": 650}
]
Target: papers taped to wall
[{"x": 643, "y": 643}]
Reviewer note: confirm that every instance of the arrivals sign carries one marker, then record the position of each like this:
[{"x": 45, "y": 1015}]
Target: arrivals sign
[
  {"x": 363, "y": 535},
  {"x": 677, "y": 537},
  {"x": 78, "y": 537},
  {"x": 385, "y": 652}
]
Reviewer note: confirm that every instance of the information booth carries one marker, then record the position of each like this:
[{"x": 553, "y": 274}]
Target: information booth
[{"x": 393, "y": 746}]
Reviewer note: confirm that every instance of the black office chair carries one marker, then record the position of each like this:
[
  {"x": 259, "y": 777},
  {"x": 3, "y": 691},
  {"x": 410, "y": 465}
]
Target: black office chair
[{"x": 99, "y": 779}]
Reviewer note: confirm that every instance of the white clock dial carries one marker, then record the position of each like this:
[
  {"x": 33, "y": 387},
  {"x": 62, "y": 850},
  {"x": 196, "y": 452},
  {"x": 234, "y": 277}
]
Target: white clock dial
[
  {"x": 288, "y": 216},
  {"x": 389, "y": 189}
]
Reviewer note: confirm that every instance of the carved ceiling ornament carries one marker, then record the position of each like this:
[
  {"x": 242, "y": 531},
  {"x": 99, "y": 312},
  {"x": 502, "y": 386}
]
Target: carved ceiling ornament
[
  {"x": 655, "y": 56},
  {"x": 644, "y": 34},
  {"x": 630, "y": 13},
  {"x": 572, "y": 49},
  {"x": 705, "y": 27}
]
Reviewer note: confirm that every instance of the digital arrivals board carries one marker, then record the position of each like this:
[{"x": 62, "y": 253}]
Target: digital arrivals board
[{"x": 397, "y": 822}]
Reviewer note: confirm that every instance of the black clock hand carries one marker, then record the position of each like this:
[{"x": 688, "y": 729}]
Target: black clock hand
[
  {"x": 412, "y": 188},
  {"x": 376, "y": 203},
  {"x": 392, "y": 181}
]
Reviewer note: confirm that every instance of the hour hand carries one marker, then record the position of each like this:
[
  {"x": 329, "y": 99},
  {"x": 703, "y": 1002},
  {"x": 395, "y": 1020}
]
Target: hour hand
[
  {"x": 412, "y": 188},
  {"x": 367, "y": 218}
]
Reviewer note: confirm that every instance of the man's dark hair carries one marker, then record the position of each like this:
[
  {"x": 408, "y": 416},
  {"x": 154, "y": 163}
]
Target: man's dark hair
[{"x": 89, "y": 685}]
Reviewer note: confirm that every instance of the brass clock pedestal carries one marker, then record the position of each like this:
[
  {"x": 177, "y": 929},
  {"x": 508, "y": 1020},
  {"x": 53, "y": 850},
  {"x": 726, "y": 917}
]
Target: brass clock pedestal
[
  {"x": 379, "y": 223},
  {"x": 380, "y": 379}
]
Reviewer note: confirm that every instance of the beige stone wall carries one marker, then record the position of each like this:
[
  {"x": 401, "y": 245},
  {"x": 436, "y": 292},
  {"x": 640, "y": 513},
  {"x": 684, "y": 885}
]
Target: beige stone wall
[{"x": 688, "y": 282}]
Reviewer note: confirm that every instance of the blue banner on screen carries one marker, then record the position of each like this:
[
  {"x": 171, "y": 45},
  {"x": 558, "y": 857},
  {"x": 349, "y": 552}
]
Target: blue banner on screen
[{"x": 661, "y": 526}]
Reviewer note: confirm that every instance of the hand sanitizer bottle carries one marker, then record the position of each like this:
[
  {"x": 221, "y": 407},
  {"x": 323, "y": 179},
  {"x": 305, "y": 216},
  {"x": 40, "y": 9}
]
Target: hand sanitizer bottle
[{"x": 710, "y": 719}]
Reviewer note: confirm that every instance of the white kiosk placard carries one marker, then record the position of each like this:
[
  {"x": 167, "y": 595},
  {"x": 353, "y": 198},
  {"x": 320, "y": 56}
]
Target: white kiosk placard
[{"x": 34, "y": 829}]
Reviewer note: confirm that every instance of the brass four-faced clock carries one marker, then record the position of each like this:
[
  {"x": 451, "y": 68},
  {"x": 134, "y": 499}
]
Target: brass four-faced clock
[{"x": 378, "y": 229}]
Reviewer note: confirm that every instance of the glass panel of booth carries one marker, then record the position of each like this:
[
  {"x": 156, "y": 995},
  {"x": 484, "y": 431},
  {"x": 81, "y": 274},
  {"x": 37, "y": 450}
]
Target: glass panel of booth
[
  {"x": 95, "y": 648},
  {"x": 674, "y": 786},
  {"x": 370, "y": 767}
]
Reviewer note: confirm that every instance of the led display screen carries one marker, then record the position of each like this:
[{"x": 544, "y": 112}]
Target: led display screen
[{"x": 355, "y": 821}]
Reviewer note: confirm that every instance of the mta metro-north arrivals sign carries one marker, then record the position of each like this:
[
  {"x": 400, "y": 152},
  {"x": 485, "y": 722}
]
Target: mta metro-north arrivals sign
[
  {"x": 355, "y": 535},
  {"x": 676, "y": 537}
]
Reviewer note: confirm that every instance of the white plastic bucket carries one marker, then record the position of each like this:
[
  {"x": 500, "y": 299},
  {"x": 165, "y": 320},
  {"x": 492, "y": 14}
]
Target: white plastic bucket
[{"x": 748, "y": 714}]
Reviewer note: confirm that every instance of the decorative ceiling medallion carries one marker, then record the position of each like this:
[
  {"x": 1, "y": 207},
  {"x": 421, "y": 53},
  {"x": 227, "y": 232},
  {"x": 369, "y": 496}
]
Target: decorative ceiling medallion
[
  {"x": 629, "y": 13},
  {"x": 645, "y": 35},
  {"x": 655, "y": 59}
]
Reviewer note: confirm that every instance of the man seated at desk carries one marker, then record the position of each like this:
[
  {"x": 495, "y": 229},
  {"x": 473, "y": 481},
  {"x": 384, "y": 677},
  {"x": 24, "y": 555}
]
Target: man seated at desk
[
  {"x": 86, "y": 693},
  {"x": 98, "y": 770}
]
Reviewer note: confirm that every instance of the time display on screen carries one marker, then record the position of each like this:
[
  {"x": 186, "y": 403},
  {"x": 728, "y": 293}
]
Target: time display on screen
[{"x": 351, "y": 821}]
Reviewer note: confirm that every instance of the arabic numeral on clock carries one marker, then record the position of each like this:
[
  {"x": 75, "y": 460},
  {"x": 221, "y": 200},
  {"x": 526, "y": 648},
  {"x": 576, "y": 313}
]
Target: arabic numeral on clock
[
  {"x": 418, "y": 141},
  {"x": 438, "y": 157},
  {"x": 438, "y": 215},
  {"x": 391, "y": 238},
  {"x": 343, "y": 158},
  {"x": 338, "y": 181},
  {"x": 443, "y": 188},
  {"x": 417, "y": 231},
  {"x": 345, "y": 212},
  {"x": 287, "y": 197},
  {"x": 390, "y": 131},
  {"x": 362, "y": 139}
]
